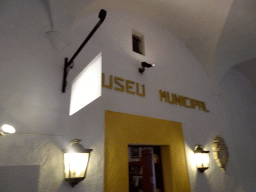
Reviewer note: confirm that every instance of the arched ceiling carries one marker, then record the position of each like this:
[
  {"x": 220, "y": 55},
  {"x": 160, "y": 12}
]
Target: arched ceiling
[
  {"x": 248, "y": 68},
  {"x": 220, "y": 33}
]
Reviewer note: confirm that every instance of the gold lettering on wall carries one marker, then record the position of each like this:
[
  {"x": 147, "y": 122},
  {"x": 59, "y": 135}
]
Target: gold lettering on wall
[
  {"x": 204, "y": 107},
  {"x": 110, "y": 86},
  {"x": 162, "y": 95},
  {"x": 121, "y": 86},
  {"x": 181, "y": 100},
  {"x": 185, "y": 102},
  {"x": 193, "y": 103},
  {"x": 177, "y": 99},
  {"x": 129, "y": 87},
  {"x": 172, "y": 101},
  {"x": 124, "y": 85},
  {"x": 138, "y": 90}
]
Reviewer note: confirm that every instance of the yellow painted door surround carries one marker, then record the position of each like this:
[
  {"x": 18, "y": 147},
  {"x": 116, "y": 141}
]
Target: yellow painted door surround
[{"x": 122, "y": 129}]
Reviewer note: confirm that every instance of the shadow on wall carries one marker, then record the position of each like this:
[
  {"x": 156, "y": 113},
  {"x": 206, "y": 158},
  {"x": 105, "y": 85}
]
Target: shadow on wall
[
  {"x": 202, "y": 183},
  {"x": 19, "y": 178},
  {"x": 31, "y": 162}
]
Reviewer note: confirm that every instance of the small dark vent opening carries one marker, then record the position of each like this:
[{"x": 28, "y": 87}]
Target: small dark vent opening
[{"x": 138, "y": 43}]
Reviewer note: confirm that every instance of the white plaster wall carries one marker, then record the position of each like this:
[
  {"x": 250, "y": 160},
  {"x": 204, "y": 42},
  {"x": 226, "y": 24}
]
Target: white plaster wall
[
  {"x": 31, "y": 98},
  {"x": 39, "y": 159},
  {"x": 30, "y": 78},
  {"x": 238, "y": 98},
  {"x": 176, "y": 71},
  {"x": 30, "y": 83}
]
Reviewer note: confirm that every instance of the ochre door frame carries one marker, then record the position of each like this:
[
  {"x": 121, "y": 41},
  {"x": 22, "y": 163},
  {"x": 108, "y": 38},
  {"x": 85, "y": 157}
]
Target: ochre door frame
[{"x": 122, "y": 129}]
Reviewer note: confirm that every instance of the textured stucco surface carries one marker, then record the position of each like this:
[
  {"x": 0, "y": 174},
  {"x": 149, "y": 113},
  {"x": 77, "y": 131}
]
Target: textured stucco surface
[
  {"x": 38, "y": 155},
  {"x": 31, "y": 99}
]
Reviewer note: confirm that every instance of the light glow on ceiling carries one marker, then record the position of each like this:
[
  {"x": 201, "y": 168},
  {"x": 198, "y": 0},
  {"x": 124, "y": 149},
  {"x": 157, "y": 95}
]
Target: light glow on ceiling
[{"x": 8, "y": 128}]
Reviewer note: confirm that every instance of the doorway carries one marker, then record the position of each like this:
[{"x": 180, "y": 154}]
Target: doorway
[
  {"x": 123, "y": 129},
  {"x": 145, "y": 168}
]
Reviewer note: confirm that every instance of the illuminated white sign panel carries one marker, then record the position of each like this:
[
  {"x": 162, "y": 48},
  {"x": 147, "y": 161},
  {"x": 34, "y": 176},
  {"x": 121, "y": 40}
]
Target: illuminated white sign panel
[{"x": 86, "y": 87}]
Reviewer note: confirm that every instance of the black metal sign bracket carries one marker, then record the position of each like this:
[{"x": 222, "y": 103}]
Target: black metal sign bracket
[{"x": 69, "y": 64}]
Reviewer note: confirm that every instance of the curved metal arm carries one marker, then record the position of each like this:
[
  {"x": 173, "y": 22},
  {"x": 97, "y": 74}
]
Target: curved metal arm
[{"x": 68, "y": 64}]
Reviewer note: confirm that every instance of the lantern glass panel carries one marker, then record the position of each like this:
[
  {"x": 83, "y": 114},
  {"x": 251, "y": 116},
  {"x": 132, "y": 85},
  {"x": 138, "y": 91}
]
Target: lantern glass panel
[
  {"x": 75, "y": 164},
  {"x": 205, "y": 160},
  {"x": 198, "y": 159}
]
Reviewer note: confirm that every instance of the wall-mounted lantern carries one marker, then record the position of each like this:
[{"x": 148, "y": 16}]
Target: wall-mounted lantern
[
  {"x": 202, "y": 158},
  {"x": 7, "y": 129},
  {"x": 76, "y": 160}
]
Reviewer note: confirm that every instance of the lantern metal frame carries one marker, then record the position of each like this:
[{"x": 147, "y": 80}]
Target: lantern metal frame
[
  {"x": 198, "y": 149},
  {"x": 76, "y": 147}
]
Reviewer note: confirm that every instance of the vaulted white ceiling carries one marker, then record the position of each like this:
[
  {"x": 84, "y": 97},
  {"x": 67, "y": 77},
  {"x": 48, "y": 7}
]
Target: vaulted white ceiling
[{"x": 220, "y": 33}]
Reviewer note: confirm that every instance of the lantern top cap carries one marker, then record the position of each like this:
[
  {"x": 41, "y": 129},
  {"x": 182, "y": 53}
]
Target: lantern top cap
[
  {"x": 198, "y": 149},
  {"x": 76, "y": 147}
]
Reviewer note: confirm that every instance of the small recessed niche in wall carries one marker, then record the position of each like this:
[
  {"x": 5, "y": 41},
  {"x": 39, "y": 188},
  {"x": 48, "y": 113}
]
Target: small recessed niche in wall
[
  {"x": 86, "y": 87},
  {"x": 138, "y": 44}
]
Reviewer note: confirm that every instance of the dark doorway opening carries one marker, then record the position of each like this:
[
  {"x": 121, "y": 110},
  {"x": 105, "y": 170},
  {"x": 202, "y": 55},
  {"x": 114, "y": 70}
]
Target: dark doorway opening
[{"x": 145, "y": 169}]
